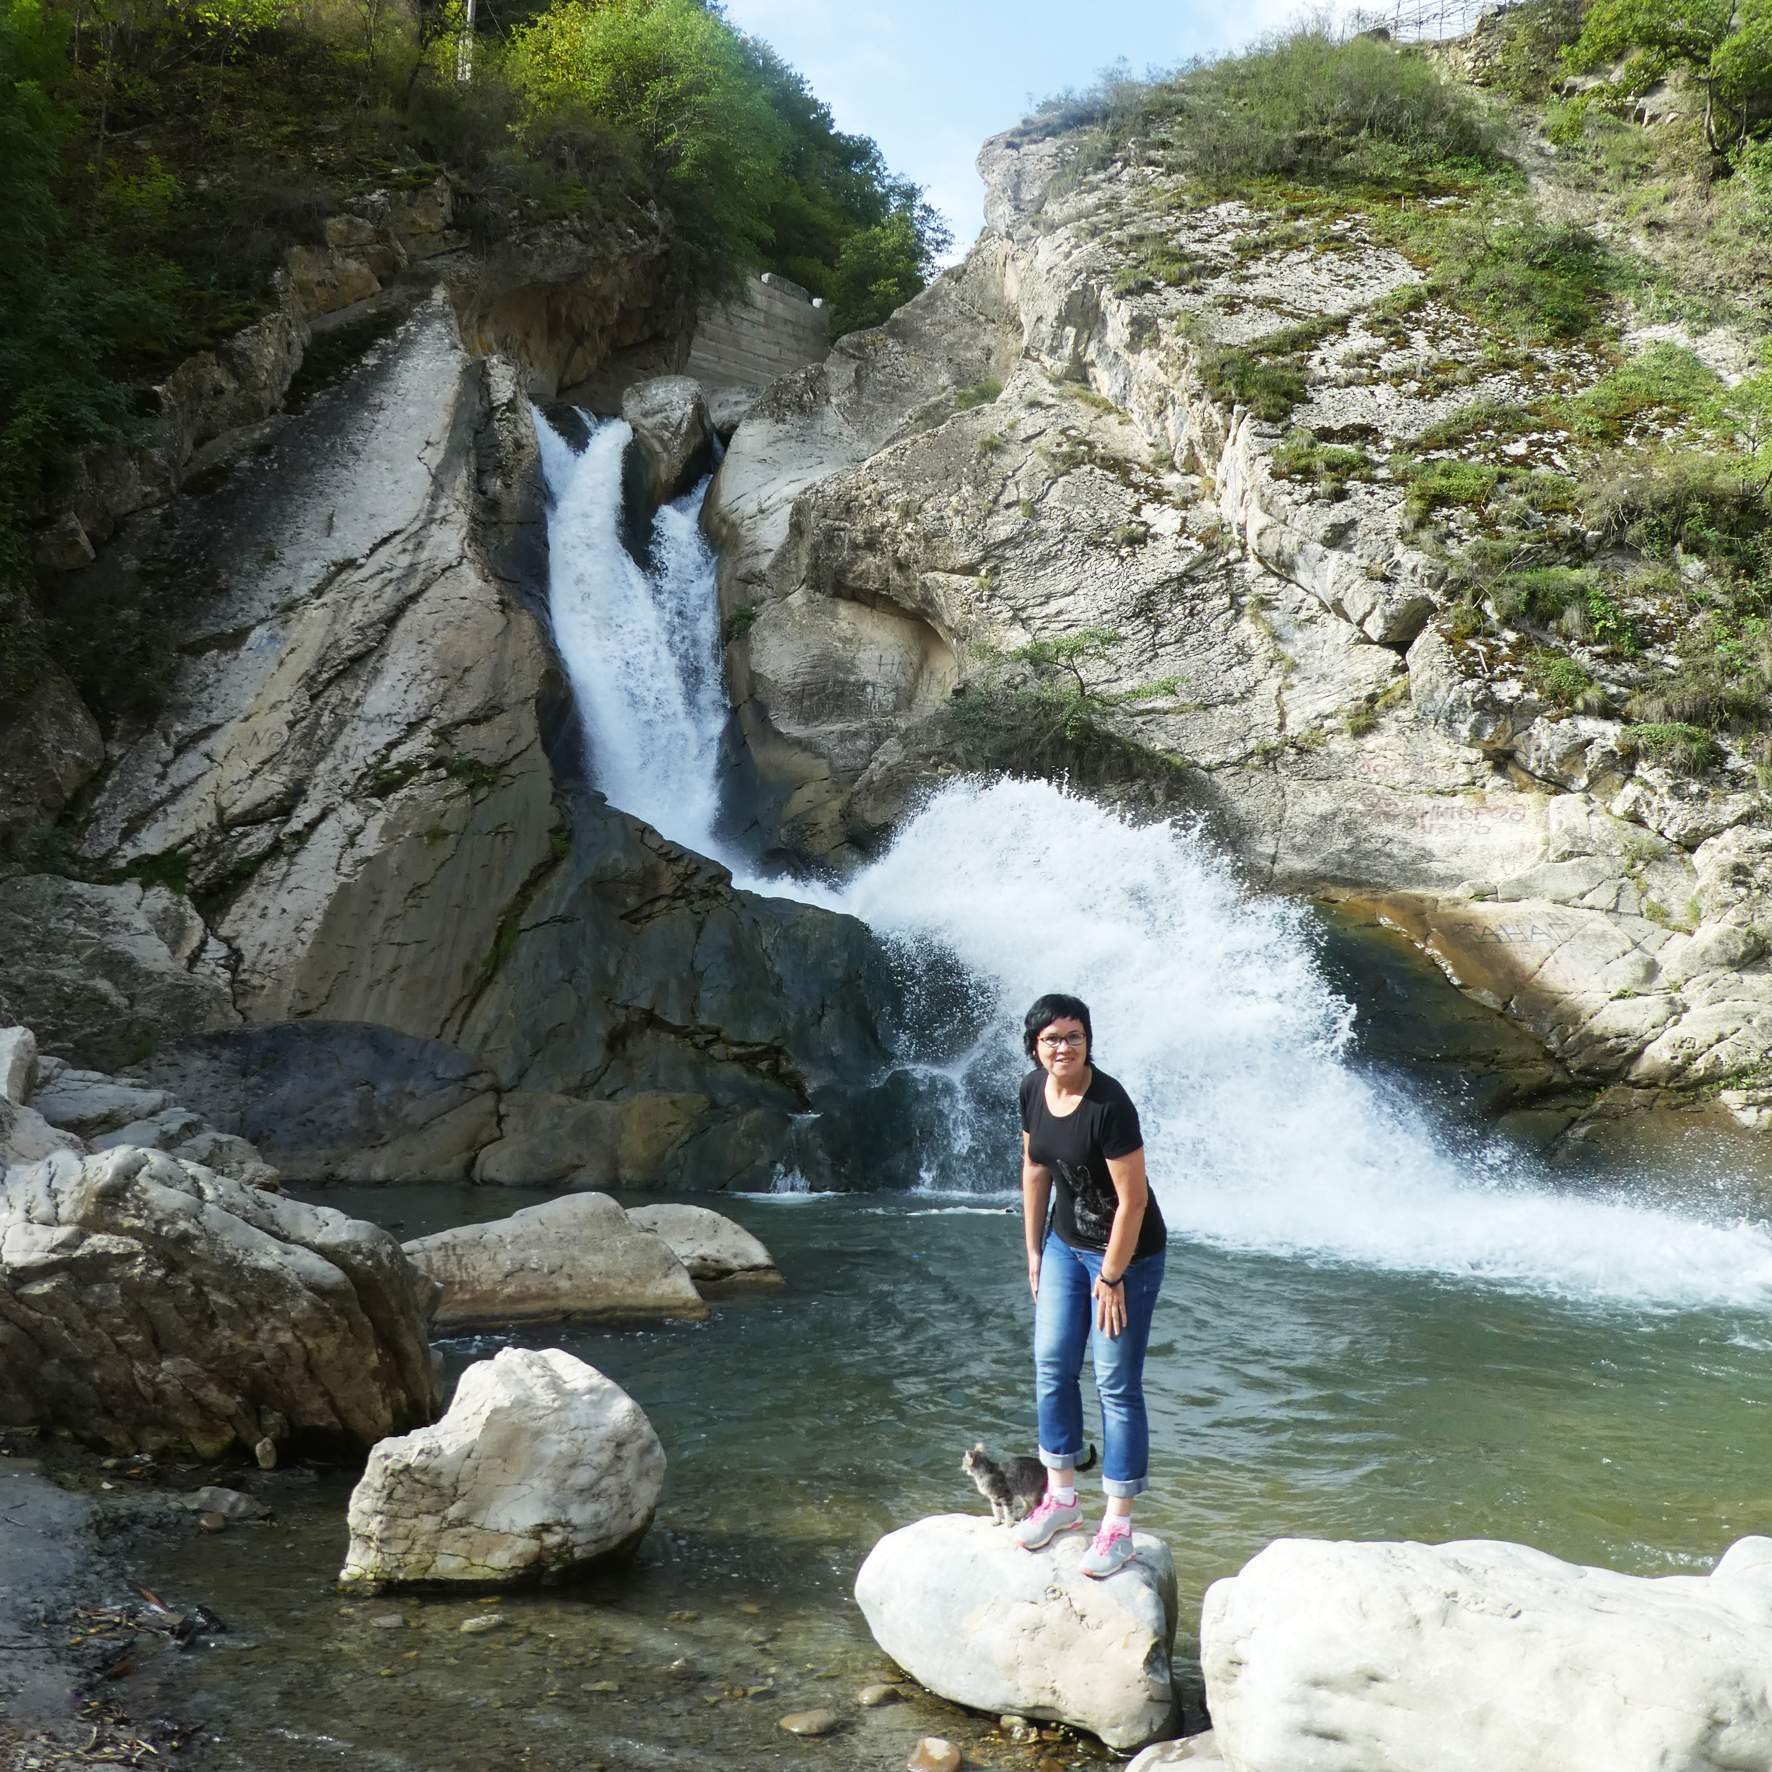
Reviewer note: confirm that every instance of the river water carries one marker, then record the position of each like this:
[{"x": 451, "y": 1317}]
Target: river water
[{"x": 1379, "y": 1320}]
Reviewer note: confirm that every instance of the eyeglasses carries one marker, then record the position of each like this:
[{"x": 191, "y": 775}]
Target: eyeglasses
[{"x": 1053, "y": 1041}]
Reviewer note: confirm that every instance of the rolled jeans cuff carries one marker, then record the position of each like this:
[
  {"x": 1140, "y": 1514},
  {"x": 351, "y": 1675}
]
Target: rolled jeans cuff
[
  {"x": 1057, "y": 1461},
  {"x": 1124, "y": 1490}
]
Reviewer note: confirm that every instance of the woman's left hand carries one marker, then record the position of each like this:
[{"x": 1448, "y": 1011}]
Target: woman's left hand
[{"x": 1110, "y": 1307}]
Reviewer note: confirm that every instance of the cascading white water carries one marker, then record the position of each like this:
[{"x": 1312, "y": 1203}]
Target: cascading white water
[
  {"x": 1209, "y": 1005},
  {"x": 642, "y": 648},
  {"x": 1208, "y": 1002}
]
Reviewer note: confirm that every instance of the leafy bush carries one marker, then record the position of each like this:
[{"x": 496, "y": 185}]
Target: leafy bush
[
  {"x": 1330, "y": 467},
  {"x": 880, "y": 268},
  {"x": 1435, "y": 484},
  {"x": 1307, "y": 104},
  {"x": 1726, "y": 47}
]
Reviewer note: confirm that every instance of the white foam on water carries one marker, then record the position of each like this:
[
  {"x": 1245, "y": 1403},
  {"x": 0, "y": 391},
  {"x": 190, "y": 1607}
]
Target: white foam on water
[{"x": 1209, "y": 1005}]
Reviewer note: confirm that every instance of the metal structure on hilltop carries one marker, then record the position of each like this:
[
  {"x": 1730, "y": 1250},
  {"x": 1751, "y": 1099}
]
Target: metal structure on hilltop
[{"x": 1428, "y": 21}]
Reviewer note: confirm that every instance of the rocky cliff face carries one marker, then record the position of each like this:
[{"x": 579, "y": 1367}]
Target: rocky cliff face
[
  {"x": 343, "y": 885},
  {"x": 1027, "y": 472}
]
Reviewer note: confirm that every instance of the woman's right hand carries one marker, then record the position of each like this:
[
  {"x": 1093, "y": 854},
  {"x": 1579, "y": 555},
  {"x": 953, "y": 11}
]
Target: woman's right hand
[{"x": 1033, "y": 1273}]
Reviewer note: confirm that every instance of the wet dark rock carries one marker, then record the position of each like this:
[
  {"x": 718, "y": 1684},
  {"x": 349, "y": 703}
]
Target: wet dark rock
[{"x": 229, "y": 1503}]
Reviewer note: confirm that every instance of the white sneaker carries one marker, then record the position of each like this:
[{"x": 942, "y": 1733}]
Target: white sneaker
[
  {"x": 1046, "y": 1522},
  {"x": 1110, "y": 1553}
]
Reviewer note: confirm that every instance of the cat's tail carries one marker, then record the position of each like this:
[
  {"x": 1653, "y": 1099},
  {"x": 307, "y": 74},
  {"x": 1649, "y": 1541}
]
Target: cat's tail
[{"x": 1087, "y": 1461}]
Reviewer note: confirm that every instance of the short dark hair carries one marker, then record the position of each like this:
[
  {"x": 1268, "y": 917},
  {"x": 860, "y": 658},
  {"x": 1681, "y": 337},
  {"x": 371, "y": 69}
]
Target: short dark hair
[{"x": 1056, "y": 1006}]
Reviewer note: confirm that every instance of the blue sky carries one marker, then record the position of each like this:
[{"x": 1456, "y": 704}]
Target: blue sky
[{"x": 930, "y": 79}]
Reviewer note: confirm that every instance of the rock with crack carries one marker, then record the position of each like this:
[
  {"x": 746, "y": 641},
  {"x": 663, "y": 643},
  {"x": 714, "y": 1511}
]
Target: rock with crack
[
  {"x": 541, "y": 1468},
  {"x": 978, "y": 1620},
  {"x": 670, "y": 420},
  {"x": 1486, "y": 1657},
  {"x": 106, "y": 971},
  {"x": 578, "y": 1258},
  {"x": 148, "y": 1304},
  {"x": 714, "y": 1249}
]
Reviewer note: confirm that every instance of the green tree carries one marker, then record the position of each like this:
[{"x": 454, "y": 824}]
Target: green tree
[
  {"x": 1725, "y": 45},
  {"x": 66, "y": 308},
  {"x": 882, "y": 267},
  {"x": 671, "y": 78}
]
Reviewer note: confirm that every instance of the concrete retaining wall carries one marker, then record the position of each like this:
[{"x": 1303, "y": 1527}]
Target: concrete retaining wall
[{"x": 772, "y": 328}]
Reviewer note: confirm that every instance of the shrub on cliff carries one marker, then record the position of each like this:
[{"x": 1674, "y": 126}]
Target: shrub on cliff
[{"x": 1304, "y": 104}]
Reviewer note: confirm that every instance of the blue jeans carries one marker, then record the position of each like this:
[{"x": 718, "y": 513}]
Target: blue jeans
[{"x": 1064, "y": 1319}]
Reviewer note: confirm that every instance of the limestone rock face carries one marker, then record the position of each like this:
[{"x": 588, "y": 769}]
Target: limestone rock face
[
  {"x": 105, "y": 970},
  {"x": 574, "y": 1258},
  {"x": 541, "y": 1467},
  {"x": 148, "y": 1304},
  {"x": 709, "y": 1244},
  {"x": 18, "y": 1065},
  {"x": 47, "y": 1105},
  {"x": 671, "y": 425},
  {"x": 969, "y": 1614},
  {"x": 50, "y": 747},
  {"x": 1032, "y": 450},
  {"x": 1486, "y": 1657}
]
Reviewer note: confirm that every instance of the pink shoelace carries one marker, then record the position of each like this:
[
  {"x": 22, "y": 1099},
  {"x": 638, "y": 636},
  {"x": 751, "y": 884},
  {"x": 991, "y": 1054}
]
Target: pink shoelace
[
  {"x": 1046, "y": 1507},
  {"x": 1108, "y": 1531}
]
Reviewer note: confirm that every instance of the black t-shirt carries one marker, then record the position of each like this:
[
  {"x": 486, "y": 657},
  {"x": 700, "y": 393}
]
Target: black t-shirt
[{"x": 1075, "y": 1147}]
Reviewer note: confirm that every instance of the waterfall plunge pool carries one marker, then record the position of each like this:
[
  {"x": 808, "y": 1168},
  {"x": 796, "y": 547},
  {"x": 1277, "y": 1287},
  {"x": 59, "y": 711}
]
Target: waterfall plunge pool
[{"x": 1288, "y": 1396}]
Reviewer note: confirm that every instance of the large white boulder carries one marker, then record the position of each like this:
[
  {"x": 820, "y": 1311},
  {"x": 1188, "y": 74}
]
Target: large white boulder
[
  {"x": 1487, "y": 1657},
  {"x": 572, "y": 1259},
  {"x": 709, "y": 1245},
  {"x": 541, "y": 1466},
  {"x": 670, "y": 420},
  {"x": 969, "y": 1614},
  {"x": 148, "y": 1304}
]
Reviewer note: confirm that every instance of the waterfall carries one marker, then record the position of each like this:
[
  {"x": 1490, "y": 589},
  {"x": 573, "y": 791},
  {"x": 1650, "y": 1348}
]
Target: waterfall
[
  {"x": 1209, "y": 1005},
  {"x": 1208, "y": 1001},
  {"x": 642, "y": 647}
]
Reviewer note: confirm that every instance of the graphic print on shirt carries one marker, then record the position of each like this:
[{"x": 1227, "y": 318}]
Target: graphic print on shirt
[{"x": 1094, "y": 1200}]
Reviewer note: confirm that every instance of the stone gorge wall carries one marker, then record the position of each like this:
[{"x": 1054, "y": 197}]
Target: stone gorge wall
[
  {"x": 345, "y": 887},
  {"x": 1028, "y": 451}
]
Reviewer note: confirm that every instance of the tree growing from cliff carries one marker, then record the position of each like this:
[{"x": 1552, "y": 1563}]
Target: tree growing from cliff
[
  {"x": 1724, "y": 45},
  {"x": 882, "y": 267}
]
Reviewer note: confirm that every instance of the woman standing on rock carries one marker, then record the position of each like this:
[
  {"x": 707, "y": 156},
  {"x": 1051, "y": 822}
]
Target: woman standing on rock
[{"x": 1101, "y": 1257}]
